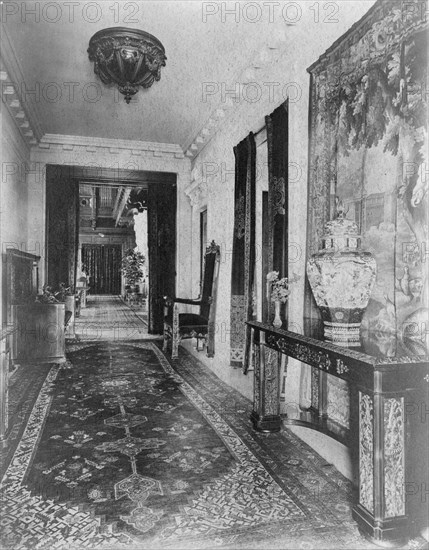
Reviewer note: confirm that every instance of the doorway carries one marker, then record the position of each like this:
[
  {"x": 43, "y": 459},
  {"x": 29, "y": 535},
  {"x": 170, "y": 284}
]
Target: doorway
[{"x": 63, "y": 209}]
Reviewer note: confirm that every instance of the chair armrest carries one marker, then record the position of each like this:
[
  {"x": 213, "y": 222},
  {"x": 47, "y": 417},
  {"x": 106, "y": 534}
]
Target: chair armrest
[
  {"x": 187, "y": 301},
  {"x": 170, "y": 301}
]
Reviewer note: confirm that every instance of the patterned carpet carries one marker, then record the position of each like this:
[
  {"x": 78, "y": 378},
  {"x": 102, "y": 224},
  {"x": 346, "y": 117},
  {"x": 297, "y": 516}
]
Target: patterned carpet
[
  {"x": 24, "y": 386},
  {"x": 108, "y": 317},
  {"x": 125, "y": 449}
]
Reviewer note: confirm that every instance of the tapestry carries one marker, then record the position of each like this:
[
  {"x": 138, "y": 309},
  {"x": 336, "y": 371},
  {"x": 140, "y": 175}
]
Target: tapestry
[
  {"x": 161, "y": 216},
  {"x": 277, "y": 141},
  {"x": 121, "y": 449},
  {"x": 102, "y": 263},
  {"x": 369, "y": 147},
  {"x": 243, "y": 250},
  {"x": 277, "y": 243}
]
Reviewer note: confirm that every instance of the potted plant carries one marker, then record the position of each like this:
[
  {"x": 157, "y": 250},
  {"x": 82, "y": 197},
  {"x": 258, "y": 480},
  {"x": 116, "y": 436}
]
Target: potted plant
[
  {"x": 132, "y": 268},
  {"x": 64, "y": 295}
]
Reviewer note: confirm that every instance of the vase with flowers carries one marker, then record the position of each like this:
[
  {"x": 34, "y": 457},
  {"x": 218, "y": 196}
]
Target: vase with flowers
[{"x": 278, "y": 293}]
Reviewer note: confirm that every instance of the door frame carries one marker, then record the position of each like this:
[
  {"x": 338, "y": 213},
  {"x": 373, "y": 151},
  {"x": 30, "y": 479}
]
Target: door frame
[{"x": 73, "y": 175}]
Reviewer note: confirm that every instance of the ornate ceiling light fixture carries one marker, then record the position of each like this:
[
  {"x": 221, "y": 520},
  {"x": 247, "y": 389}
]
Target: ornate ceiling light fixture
[{"x": 127, "y": 57}]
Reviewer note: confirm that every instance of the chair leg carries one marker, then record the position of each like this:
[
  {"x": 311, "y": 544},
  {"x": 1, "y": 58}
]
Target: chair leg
[
  {"x": 210, "y": 341},
  {"x": 175, "y": 337},
  {"x": 175, "y": 348},
  {"x": 164, "y": 344},
  {"x": 200, "y": 343}
]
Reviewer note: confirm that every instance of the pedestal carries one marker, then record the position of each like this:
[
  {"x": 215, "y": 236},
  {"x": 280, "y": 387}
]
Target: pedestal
[
  {"x": 4, "y": 384},
  {"x": 39, "y": 334},
  {"x": 83, "y": 295},
  {"x": 70, "y": 305}
]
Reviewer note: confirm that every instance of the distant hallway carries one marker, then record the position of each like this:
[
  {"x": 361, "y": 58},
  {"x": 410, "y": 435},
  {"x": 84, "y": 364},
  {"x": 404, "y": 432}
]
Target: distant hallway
[{"x": 110, "y": 318}]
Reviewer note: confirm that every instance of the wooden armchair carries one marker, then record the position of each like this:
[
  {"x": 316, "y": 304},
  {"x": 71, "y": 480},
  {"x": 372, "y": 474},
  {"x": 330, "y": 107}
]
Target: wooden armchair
[{"x": 179, "y": 326}]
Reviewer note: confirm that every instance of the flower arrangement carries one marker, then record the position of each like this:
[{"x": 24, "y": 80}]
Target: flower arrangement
[{"x": 280, "y": 287}]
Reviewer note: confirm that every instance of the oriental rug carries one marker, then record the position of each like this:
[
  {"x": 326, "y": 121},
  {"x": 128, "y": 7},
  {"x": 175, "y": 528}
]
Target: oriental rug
[{"x": 126, "y": 449}]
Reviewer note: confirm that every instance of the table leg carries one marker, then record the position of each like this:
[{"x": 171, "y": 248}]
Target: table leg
[
  {"x": 266, "y": 395},
  {"x": 381, "y": 511},
  {"x": 4, "y": 380}
]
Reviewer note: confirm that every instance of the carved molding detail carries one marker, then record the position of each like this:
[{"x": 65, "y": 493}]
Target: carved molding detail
[
  {"x": 328, "y": 359},
  {"x": 338, "y": 401},
  {"x": 12, "y": 79},
  {"x": 197, "y": 193},
  {"x": 304, "y": 353},
  {"x": 229, "y": 102},
  {"x": 341, "y": 368},
  {"x": 315, "y": 380},
  {"x": 137, "y": 59},
  {"x": 257, "y": 379},
  {"x": 110, "y": 146},
  {"x": 11, "y": 99},
  {"x": 271, "y": 382}
]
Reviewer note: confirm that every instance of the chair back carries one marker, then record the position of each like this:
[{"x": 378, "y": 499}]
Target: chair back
[{"x": 209, "y": 283}]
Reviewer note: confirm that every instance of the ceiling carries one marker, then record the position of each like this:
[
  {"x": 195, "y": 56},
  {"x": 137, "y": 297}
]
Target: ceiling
[
  {"x": 52, "y": 54},
  {"x": 109, "y": 206}
]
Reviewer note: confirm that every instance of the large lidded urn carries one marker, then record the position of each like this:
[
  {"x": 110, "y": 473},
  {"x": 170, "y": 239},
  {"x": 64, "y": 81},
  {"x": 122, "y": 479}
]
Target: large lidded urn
[{"x": 341, "y": 276}]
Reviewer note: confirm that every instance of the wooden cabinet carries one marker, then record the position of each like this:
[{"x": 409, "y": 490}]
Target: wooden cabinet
[{"x": 39, "y": 335}]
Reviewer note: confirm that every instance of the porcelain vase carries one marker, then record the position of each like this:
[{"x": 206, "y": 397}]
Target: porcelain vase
[
  {"x": 341, "y": 276},
  {"x": 277, "y": 322}
]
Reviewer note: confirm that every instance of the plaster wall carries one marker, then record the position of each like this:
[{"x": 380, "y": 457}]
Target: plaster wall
[
  {"x": 214, "y": 169},
  {"x": 75, "y": 154},
  {"x": 14, "y": 204}
]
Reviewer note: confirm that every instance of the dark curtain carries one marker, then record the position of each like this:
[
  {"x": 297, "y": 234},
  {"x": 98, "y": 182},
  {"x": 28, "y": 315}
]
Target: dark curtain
[
  {"x": 277, "y": 142},
  {"x": 103, "y": 266},
  {"x": 162, "y": 251},
  {"x": 243, "y": 251},
  {"x": 62, "y": 218}
]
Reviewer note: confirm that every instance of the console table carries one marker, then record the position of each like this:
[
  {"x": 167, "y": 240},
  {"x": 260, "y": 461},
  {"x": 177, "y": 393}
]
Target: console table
[{"x": 387, "y": 425}]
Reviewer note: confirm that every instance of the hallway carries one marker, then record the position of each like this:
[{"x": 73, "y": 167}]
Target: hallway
[
  {"x": 109, "y": 317},
  {"x": 290, "y": 140},
  {"x": 126, "y": 448}
]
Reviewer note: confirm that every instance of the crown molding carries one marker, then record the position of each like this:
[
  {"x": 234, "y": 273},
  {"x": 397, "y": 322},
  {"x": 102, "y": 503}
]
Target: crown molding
[
  {"x": 25, "y": 113},
  {"x": 15, "y": 140},
  {"x": 113, "y": 146},
  {"x": 269, "y": 56},
  {"x": 10, "y": 98}
]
